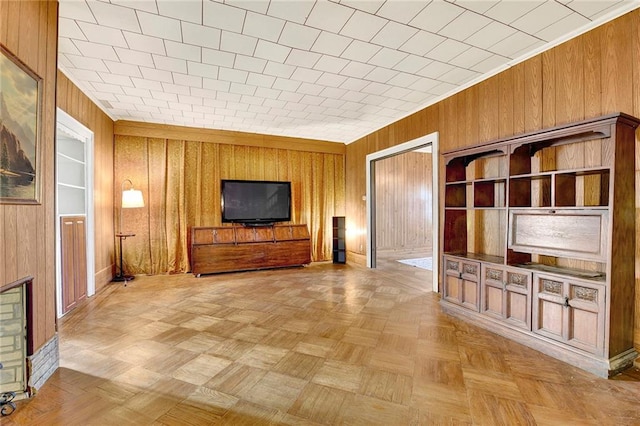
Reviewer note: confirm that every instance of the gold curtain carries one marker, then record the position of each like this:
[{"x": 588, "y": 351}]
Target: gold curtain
[{"x": 180, "y": 181}]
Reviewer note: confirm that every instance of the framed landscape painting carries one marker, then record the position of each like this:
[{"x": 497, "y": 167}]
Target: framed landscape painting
[{"x": 20, "y": 110}]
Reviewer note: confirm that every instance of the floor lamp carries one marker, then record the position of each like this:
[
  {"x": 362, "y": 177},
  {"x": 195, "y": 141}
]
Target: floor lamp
[{"x": 131, "y": 198}]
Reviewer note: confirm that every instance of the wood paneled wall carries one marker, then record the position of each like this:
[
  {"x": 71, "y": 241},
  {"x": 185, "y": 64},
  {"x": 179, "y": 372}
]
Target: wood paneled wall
[
  {"x": 403, "y": 202},
  {"x": 594, "y": 74},
  {"x": 179, "y": 170},
  {"x": 27, "y": 232},
  {"x": 75, "y": 103}
]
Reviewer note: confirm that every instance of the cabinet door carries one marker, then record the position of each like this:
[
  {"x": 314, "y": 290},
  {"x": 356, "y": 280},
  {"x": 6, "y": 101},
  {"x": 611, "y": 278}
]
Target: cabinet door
[
  {"x": 461, "y": 282},
  {"x": 506, "y": 294},
  {"x": 73, "y": 261},
  {"x": 570, "y": 311}
]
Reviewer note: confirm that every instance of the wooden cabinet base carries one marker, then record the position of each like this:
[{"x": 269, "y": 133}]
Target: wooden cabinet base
[
  {"x": 234, "y": 249},
  {"x": 600, "y": 367}
]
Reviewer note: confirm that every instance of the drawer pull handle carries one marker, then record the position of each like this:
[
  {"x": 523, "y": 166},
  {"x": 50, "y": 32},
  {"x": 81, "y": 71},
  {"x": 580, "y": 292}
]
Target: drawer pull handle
[{"x": 566, "y": 302}]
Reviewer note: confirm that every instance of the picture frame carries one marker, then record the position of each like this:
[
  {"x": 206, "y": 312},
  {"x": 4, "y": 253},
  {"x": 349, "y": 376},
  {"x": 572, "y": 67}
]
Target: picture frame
[{"x": 20, "y": 131}]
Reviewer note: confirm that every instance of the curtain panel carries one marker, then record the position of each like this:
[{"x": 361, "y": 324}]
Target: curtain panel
[{"x": 180, "y": 181}]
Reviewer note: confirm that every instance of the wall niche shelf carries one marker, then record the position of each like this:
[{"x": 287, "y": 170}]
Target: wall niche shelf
[{"x": 538, "y": 240}]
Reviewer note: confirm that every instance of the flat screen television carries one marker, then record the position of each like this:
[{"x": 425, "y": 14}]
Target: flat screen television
[{"x": 255, "y": 202}]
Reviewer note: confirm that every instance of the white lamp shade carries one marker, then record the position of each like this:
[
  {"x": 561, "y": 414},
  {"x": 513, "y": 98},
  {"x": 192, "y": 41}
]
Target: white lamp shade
[{"x": 132, "y": 198}]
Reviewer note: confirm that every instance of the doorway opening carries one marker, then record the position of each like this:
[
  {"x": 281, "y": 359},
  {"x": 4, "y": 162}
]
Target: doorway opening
[
  {"x": 423, "y": 143},
  {"x": 75, "y": 266}
]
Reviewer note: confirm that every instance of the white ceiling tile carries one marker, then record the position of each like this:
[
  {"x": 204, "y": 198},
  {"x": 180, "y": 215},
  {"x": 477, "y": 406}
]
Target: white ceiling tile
[
  {"x": 264, "y": 92},
  {"x": 242, "y": 89},
  {"x": 304, "y": 74},
  {"x": 170, "y": 64},
  {"x": 201, "y": 36},
  {"x": 103, "y": 35},
  {"x": 66, "y": 45},
  {"x": 369, "y": 6},
  {"x": 183, "y": 51},
  {"x": 387, "y": 58},
  {"x": 217, "y": 57},
  {"x": 331, "y": 79},
  {"x": 591, "y": 9},
  {"x": 279, "y": 70},
  {"x": 69, "y": 28},
  {"x": 312, "y": 100},
  {"x": 402, "y": 12},
  {"x": 107, "y": 88},
  {"x": 459, "y": 76},
  {"x": 412, "y": 63},
  {"x": 357, "y": 69},
  {"x": 157, "y": 75},
  {"x": 86, "y": 75},
  {"x": 263, "y": 26},
  {"x": 435, "y": 69},
  {"x": 115, "y": 16},
  {"x": 95, "y": 50},
  {"x": 421, "y": 43},
  {"x": 333, "y": 93},
  {"x": 447, "y": 50},
  {"x": 558, "y": 29},
  {"x": 514, "y": 43},
  {"x": 190, "y": 11},
  {"x": 249, "y": 63},
  {"x": 109, "y": 97},
  {"x": 470, "y": 57},
  {"x": 238, "y": 43},
  {"x": 177, "y": 106},
  {"x": 286, "y": 84},
  {"x": 490, "y": 64},
  {"x": 134, "y": 57},
  {"x": 330, "y": 64},
  {"x": 360, "y": 51},
  {"x": 376, "y": 88},
  {"x": 260, "y": 80},
  {"x": 141, "y": 83},
  {"x": 202, "y": 70},
  {"x": 259, "y": 6},
  {"x": 354, "y": 84},
  {"x": 187, "y": 80},
  {"x": 274, "y": 103},
  {"x": 329, "y": 16},
  {"x": 363, "y": 26},
  {"x": 442, "y": 89},
  {"x": 403, "y": 79},
  {"x": 255, "y": 100},
  {"x": 258, "y": 109},
  {"x": 119, "y": 68},
  {"x": 477, "y": 6},
  {"x": 146, "y": 108},
  {"x": 381, "y": 75},
  {"x": 211, "y": 84},
  {"x": 310, "y": 89},
  {"x": 299, "y": 36},
  {"x": 271, "y": 51},
  {"x": 464, "y": 26},
  {"x": 129, "y": 99},
  {"x": 331, "y": 44},
  {"x": 232, "y": 75},
  {"x": 351, "y": 105},
  {"x": 490, "y": 35},
  {"x": 528, "y": 49},
  {"x": 509, "y": 11},
  {"x": 400, "y": 92},
  {"x": 218, "y": 15},
  {"x": 296, "y": 11},
  {"x": 394, "y": 35},
  {"x": 77, "y": 10},
  {"x": 160, "y": 26},
  {"x": 147, "y": 6},
  {"x": 436, "y": 15},
  {"x": 302, "y": 58},
  {"x": 541, "y": 17},
  {"x": 144, "y": 43},
  {"x": 118, "y": 80}
]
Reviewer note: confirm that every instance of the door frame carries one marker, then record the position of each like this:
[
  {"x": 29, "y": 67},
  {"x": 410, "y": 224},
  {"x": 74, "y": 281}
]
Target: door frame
[
  {"x": 82, "y": 133},
  {"x": 421, "y": 142}
]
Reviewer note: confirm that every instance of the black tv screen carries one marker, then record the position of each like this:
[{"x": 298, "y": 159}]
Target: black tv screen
[{"x": 255, "y": 202}]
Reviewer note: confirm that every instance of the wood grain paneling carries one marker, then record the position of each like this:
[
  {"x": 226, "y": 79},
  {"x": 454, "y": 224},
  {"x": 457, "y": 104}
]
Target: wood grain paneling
[
  {"x": 593, "y": 74},
  {"x": 75, "y": 103},
  {"x": 27, "y": 232}
]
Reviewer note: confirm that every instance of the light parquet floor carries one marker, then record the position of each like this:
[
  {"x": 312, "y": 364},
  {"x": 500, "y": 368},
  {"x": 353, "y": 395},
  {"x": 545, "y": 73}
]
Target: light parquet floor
[{"x": 321, "y": 345}]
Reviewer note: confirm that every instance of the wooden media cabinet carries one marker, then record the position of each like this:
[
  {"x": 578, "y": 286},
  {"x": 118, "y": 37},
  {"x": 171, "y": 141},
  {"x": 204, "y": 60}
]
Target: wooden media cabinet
[{"x": 239, "y": 248}]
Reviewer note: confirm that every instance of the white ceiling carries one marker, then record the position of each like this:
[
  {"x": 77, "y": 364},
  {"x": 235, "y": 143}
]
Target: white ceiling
[{"x": 330, "y": 70}]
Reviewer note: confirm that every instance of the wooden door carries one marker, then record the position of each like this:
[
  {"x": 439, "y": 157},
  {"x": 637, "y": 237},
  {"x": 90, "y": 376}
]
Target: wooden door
[{"x": 73, "y": 260}]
